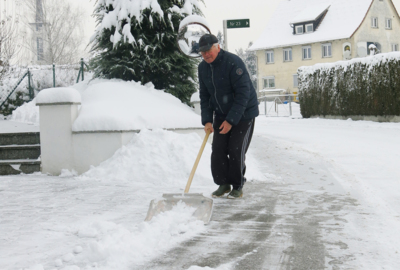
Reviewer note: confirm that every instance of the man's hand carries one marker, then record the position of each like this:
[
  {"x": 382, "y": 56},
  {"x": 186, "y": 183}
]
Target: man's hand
[
  {"x": 209, "y": 127},
  {"x": 225, "y": 127}
]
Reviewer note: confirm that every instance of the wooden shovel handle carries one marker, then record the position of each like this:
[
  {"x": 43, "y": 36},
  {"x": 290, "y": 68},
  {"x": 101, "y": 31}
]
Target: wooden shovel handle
[{"x": 197, "y": 162}]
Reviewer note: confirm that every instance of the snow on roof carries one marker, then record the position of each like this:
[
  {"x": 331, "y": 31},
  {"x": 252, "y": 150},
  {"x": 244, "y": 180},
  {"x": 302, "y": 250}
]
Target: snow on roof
[
  {"x": 340, "y": 22},
  {"x": 310, "y": 13}
]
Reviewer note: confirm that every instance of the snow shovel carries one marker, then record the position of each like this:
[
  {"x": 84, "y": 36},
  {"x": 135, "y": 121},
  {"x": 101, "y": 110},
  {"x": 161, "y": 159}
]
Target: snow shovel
[{"x": 203, "y": 205}]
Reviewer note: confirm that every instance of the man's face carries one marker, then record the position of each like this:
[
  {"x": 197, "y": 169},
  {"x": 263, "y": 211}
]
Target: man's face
[{"x": 210, "y": 55}]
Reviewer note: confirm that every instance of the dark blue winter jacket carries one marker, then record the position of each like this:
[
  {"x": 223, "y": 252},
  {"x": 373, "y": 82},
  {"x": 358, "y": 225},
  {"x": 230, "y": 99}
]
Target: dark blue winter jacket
[{"x": 226, "y": 89}]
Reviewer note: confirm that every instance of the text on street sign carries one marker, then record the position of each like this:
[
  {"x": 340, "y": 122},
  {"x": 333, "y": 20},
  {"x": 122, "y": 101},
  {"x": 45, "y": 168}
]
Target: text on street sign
[{"x": 238, "y": 23}]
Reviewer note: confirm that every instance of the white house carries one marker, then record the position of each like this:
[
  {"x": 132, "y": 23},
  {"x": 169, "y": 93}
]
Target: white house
[{"x": 306, "y": 32}]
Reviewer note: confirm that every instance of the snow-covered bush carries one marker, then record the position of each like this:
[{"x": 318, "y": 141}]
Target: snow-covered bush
[{"x": 361, "y": 86}]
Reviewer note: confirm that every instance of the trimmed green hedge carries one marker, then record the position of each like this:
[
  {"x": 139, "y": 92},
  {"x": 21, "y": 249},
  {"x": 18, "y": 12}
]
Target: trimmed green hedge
[{"x": 367, "y": 86}]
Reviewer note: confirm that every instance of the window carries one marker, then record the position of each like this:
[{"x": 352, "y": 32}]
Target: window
[
  {"x": 39, "y": 42},
  {"x": 374, "y": 22},
  {"x": 39, "y": 15},
  {"x": 388, "y": 24},
  {"x": 327, "y": 50},
  {"x": 295, "y": 80},
  {"x": 306, "y": 52},
  {"x": 395, "y": 47},
  {"x": 299, "y": 29},
  {"x": 287, "y": 55},
  {"x": 269, "y": 82},
  {"x": 269, "y": 57},
  {"x": 309, "y": 28}
]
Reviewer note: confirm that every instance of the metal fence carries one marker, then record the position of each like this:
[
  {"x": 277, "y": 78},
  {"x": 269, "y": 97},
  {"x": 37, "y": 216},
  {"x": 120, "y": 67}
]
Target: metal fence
[
  {"x": 7, "y": 94},
  {"x": 276, "y": 105}
]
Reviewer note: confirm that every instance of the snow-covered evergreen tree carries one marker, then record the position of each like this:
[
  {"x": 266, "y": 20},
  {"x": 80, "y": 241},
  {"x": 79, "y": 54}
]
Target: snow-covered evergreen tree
[
  {"x": 136, "y": 40},
  {"x": 250, "y": 60}
]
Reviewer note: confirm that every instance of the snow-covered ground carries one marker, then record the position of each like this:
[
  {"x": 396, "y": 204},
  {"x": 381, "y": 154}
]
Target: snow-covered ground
[{"x": 95, "y": 220}]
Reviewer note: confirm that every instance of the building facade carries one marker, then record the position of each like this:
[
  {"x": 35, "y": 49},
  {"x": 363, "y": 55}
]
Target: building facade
[{"x": 307, "y": 32}]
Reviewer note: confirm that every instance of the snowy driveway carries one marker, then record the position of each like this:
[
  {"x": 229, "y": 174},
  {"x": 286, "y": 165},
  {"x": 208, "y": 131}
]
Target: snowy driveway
[
  {"x": 297, "y": 221},
  {"x": 323, "y": 195}
]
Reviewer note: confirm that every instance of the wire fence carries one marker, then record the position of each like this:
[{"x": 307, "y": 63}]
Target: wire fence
[{"x": 21, "y": 84}]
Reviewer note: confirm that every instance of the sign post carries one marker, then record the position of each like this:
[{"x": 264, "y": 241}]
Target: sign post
[{"x": 230, "y": 24}]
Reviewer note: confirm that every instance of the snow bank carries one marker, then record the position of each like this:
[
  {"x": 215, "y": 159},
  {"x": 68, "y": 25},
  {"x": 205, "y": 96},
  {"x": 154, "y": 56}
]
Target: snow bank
[
  {"x": 164, "y": 159},
  {"x": 27, "y": 113},
  {"x": 118, "y": 105},
  {"x": 161, "y": 158}
]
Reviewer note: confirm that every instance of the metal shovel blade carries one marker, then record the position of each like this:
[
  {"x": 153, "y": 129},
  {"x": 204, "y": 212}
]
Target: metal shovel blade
[{"x": 203, "y": 205}]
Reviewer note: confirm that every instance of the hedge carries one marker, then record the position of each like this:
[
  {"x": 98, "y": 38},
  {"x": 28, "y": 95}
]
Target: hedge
[{"x": 367, "y": 86}]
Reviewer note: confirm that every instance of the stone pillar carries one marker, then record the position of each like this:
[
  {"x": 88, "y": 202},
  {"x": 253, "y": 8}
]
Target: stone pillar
[{"x": 58, "y": 109}]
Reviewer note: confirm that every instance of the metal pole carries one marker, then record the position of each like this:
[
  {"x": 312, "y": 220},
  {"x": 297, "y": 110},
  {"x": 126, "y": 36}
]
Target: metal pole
[
  {"x": 29, "y": 85},
  {"x": 290, "y": 105},
  {"x": 225, "y": 23},
  {"x": 79, "y": 74},
  {"x": 265, "y": 106},
  {"x": 54, "y": 75},
  {"x": 82, "y": 69},
  {"x": 277, "y": 106}
]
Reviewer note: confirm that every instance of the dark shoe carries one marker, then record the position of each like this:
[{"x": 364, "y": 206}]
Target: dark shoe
[
  {"x": 223, "y": 189},
  {"x": 235, "y": 194}
]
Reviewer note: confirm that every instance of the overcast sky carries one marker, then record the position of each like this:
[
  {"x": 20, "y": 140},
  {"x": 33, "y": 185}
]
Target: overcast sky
[{"x": 215, "y": 11}]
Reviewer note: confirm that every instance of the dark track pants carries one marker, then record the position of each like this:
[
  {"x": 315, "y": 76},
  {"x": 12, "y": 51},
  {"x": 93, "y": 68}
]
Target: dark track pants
[{"x": 229, "y": 153}]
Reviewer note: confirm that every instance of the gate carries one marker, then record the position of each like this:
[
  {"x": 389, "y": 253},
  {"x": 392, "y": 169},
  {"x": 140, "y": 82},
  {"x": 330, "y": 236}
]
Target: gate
[{"x": 276, "y": 105}]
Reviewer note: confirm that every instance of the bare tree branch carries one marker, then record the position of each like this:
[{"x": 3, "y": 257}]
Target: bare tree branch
[
  {"x": 9, "y": 22},
  {"x": 59, "y": 25}
]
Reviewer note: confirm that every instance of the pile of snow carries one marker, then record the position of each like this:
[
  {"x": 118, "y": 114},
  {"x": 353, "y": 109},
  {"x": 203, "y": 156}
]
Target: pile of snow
[
  {"x": 109, "y": 105},
  {"x": 159, "y": 157},
  {"x": 118, "y": 105},
  {"x": 27, "y": 113},
  {"x": 163, "y": 159}
]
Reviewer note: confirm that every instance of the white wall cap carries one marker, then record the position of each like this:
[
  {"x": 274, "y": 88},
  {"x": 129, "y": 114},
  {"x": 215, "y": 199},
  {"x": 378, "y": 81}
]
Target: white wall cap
[{"x": 59, "y": 95}]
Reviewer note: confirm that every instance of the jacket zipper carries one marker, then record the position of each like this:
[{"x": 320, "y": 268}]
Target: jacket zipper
[{"x": 215, "y": 92}]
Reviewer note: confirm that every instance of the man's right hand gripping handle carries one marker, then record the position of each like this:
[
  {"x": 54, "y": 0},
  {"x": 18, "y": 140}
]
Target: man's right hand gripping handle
[{"x": 209, "y": 127}]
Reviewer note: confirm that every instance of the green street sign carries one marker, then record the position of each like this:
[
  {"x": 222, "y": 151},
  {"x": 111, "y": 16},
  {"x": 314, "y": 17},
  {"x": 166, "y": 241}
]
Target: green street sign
[{"x": 238, "y": 23}]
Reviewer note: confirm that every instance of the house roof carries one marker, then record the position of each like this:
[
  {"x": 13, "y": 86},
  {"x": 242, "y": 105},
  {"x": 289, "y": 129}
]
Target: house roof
[
  {"x": 341, "y": 21},
  {"x": 310, "y": 13}
]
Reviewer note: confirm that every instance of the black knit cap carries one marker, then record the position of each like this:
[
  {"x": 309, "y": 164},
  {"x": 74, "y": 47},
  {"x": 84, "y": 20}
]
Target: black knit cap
[{"x": 206, "y": 42}]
